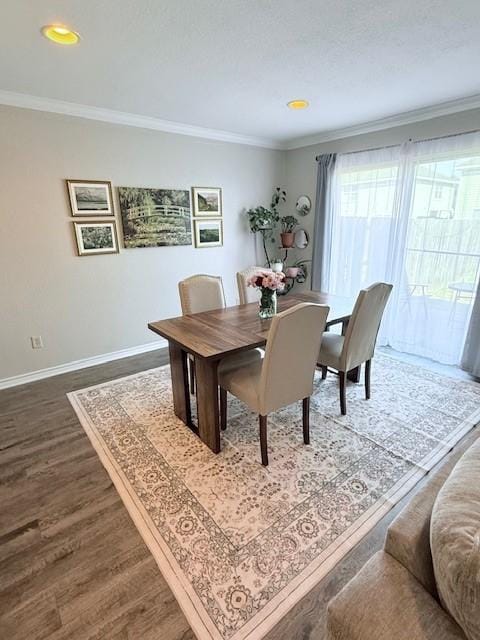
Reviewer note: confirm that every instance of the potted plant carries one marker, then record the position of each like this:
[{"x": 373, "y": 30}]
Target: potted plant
[
  {"x": 263, "y": 220},
  {"x": 277, "y": 265},
  {"x": 288, "y": 225},
  {"x": 269, "y": 282},
  {"x": 292, "y": 272},
  {"x": 279, "y": 196}
]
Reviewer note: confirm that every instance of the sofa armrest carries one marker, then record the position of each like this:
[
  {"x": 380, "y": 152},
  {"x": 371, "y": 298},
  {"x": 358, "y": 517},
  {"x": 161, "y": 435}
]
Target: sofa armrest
[
  {"x": 408, "y": 537},
  {"x": 385, "y": 602}
]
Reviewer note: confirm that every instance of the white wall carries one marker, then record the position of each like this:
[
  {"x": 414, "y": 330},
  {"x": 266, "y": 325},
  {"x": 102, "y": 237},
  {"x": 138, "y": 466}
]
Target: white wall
[
  {"x": 93, "y": 305},
  {"x": 301, "y": 167},
  {"x": 83, "y": 307}
]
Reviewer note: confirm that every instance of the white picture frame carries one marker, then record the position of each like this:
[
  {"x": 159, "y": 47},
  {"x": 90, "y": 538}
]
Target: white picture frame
[
  {"x": 208, "y": 232},
  {"x": 96, "y": 238},
  {"x": 90, "y": 197},
  {"x": 207, "y": 202}
]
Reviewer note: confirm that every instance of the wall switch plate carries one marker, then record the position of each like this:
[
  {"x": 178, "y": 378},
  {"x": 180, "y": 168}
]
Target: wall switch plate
[{"x": 37, "y": 342}]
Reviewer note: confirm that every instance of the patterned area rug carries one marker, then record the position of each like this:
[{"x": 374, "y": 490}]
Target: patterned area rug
[{"x": 240, "y": 544}]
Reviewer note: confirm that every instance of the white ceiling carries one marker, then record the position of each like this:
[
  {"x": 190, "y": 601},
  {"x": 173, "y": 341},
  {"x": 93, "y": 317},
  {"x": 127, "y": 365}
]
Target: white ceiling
[{"x": 232, "y": 65}]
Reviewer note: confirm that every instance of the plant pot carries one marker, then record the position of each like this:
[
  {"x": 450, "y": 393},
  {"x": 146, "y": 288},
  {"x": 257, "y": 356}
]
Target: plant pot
[
  {"x": 292, "y": 272},
  {"x": 277, "y": 267},
  {"x": 287, "y": 239}
]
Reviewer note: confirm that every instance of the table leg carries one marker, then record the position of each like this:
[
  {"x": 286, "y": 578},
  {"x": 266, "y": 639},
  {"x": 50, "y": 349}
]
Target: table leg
[
  {"x": 178, "y": 372},
  {"x": 207, "y": 403}
]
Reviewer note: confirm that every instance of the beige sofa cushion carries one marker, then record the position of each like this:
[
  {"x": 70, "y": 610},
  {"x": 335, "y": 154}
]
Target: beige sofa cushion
[
  {"x": 408, "y": 537},
  {"x": 385, "y": 602},
  {"x": 455, "y": 543}
]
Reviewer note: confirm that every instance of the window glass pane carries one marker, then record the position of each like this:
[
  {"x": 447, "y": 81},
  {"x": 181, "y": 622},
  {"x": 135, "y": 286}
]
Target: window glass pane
[
  {"x": 411, "y": 218},
  {"x": 442, "y": 257},
  {"x": 361, "y": 227},
  {"x": 368, "y": 192}
]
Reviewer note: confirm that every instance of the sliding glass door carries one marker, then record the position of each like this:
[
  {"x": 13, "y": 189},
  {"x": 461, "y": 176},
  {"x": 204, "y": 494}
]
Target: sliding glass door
[{"x": 411, "y": 216}]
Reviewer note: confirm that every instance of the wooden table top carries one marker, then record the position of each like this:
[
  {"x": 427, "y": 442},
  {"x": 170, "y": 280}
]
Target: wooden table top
[{"x": 214, "y": 334}]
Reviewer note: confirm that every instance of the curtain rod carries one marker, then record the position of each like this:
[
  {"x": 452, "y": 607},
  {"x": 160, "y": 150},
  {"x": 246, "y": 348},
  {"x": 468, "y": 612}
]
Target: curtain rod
[{"x": 399, "y": 144}]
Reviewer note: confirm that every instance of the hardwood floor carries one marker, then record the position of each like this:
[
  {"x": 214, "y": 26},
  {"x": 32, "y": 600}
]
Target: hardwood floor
[{"x": 72, "y": 564}]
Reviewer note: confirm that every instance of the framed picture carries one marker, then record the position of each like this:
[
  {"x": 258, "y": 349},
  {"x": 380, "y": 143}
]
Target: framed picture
[
  {"x": 207, "y": 201},
  {"x": 90, "y": 198},
  {"x": 94, "y": 238},
  {"x": 155, "y": 217},
  {"x": 208, "y": 233}
]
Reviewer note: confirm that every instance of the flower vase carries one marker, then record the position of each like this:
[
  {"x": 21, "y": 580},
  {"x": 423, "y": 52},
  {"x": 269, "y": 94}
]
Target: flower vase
[{"x": 268, "y": 304}]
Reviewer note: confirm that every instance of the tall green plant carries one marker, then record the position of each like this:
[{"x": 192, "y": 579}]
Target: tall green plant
[
  {"x": 262, "y": 220},
  {"x": 288, "y": 223}
]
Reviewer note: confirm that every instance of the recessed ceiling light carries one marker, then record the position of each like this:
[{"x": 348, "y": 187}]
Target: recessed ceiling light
[
  {"x": 60, "y": 34},
  {"x": 297, "y": 104}
]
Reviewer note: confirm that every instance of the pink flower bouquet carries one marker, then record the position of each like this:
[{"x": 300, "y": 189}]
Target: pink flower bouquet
[{"x": 267, "y": 280}]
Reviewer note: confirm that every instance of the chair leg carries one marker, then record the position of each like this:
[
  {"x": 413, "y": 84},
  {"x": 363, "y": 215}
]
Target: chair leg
[
  {"x": 368, "y": 370},
  {"x": 223, "y": 409},
  {"x": 324, "y": 372},
  {"x": 306, "y": 420},
  {"x": 342, "y": 376},
  {"x": 263, "y": 439},
  {"x": 191, "y": 366}
]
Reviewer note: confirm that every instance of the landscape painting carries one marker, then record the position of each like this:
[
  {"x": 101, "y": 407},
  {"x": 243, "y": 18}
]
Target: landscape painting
[
  {"x": 208, "y": 233},
  {"x": 90, "y": 198},
  {"x": 207, "y": 201},
  {"x": 95, "y": 238},
  {"x": 155, "y": 217}
]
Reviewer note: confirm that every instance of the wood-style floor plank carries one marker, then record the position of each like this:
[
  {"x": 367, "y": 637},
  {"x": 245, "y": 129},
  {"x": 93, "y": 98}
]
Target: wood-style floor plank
[
  {"x": 72, "y": 564},
  {"x": 36, "y": 619}
]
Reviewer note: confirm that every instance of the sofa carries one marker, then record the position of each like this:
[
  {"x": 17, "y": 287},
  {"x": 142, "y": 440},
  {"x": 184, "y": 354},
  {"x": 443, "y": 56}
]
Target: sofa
[{"x": 425, "y": 583}]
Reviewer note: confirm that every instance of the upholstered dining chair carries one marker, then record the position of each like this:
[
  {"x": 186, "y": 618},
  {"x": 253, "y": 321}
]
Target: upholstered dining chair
[
  {"x": 349, "y": 351},
  {"x": 200, "y": 293},
  {"x": 284, "y": 375},
  {"x": 248, "y": 294}
]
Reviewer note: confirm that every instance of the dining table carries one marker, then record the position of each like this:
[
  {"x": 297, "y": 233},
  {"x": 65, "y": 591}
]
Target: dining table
[{"x": 212, "y": 335}]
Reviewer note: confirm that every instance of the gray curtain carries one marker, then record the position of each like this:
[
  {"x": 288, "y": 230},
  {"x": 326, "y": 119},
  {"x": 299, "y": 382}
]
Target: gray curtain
[
  {"x": 321, "y": 236},
  {"x": 471, "y": 353}
]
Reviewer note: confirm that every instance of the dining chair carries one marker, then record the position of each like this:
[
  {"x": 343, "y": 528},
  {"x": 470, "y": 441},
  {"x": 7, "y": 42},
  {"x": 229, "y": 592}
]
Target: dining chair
[
  {"x": 200, "y": 293},
  {"x": 284, "y": 375},
  {"x": 248, "y": 294},
  {"x": 346, "y": 352}
]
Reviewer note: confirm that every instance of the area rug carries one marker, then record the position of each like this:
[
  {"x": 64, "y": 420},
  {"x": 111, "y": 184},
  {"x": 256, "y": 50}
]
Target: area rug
[{"x": 240, "y": 544}]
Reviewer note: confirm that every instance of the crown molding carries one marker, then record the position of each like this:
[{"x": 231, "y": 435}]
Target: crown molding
[
  {"x": 407, "y": 117},
  {"x": 50, "y": 105}
]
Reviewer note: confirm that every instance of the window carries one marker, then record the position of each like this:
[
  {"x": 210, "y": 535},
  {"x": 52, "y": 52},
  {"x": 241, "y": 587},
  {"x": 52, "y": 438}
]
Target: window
[
  {"x": 410, "y": 216},
  {"x": 438, "y": 191}
]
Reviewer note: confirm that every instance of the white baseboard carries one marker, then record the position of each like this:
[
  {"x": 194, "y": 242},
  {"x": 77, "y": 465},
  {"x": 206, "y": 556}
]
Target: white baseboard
[{"x": 25, "y": 378}]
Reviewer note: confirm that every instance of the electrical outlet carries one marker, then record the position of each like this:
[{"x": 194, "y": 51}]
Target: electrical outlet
[{"x": 37, "y": 342}]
